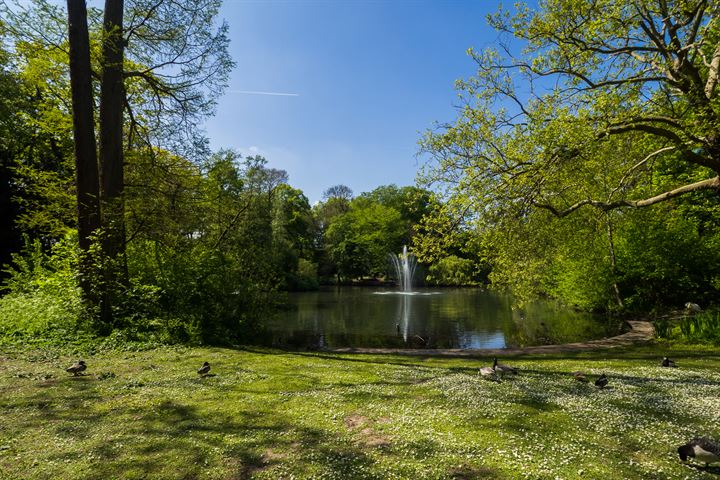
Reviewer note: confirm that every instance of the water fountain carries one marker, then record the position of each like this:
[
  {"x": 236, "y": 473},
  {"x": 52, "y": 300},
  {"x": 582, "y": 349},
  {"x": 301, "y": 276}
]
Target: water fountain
[{"x": 404, "y": 264}]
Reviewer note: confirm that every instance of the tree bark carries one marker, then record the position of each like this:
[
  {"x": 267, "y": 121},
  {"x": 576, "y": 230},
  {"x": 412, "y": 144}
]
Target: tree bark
[
  {"x": 86, "y": 168},
  {"x": 112, "y": 96}
]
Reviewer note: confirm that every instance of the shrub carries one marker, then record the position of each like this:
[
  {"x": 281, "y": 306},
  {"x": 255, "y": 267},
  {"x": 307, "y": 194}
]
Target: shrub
[
  {"x": 41, "y": 293},
  {"x": 703, "y": 327}
]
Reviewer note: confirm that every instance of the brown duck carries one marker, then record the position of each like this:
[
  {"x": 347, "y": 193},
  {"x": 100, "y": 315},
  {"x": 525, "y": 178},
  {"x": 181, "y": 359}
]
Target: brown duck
[
  {"x": 580, "y": 377},
  {"x": 204, "y": 369},
  {"x": 77, "y": 368}
]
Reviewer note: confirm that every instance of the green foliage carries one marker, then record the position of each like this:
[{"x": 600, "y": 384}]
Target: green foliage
[
  {"x": 570, "y": 123},
  {"x": 43, "y": 301},
  {"x": 42, "y": 296},
  {"x": 703, "y": 327},
  {"x": 667, "y": 258},
  {"x": 358, "y": 235},
  {"x": 293, "y": 237},
  {"x": 360, "y": 240},
  {"x": 205, "y": 259},
  {"x": 213, "y": 243},
  {"x": 306, "y": 277},
  {"x": 452, "y": 271},
  {"x": 201, "y": 294}
]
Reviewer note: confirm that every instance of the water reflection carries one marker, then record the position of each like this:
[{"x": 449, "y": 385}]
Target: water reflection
[
  {"x": 404, "y": 306},
  {"x": 456, "y": 318}
]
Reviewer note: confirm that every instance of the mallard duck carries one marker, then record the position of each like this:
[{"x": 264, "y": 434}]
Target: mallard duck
[
  {"x": 204, "y": 369},
  {"x": 666, "y": 362},
  {"x": 702, "y": 449},
  {"x": 502, "y": 368},
  {"x": 580, "y": 377},
  {"x": 601, "y": 382},
  {"x": 77, "y": 368}
]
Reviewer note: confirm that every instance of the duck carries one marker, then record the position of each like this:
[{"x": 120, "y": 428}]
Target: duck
[
  {"x": 580, "y": 377},
  {"x": 204, "y": 369},
  {"x": 601, "y": 381},
  {"x": 502, "y": 368},
  {"x": 701, "y": 448},
  {"x": 77, "y": 368},
  {"x": 693, "y": 307},
  {"x": 666, "y": 362},
  {"x": 489, "y": 372}
]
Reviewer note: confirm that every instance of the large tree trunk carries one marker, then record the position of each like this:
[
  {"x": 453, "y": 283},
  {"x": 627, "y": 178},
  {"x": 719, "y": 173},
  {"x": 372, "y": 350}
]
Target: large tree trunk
[
  {"x": 86, "y": 169},
  {"x": 111, "y": 147}
]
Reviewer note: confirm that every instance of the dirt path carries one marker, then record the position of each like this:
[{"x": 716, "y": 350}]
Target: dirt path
[{"x": 640, "y": 332}]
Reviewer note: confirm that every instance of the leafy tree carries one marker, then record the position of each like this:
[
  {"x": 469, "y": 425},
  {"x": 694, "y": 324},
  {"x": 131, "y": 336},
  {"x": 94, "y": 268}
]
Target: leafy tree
[
  {"x": 161, "y": 69},
  {"x": 293, "y": 237},
  {"x": 590, "y": 75},
  {"x": 11, "y": 102},
  {"x": 593, "y": 104},
  {"x": 413, "y": 203},
  {"x": 359, "y": 241},
  {"x": 356, "y": 236},
  {"x": 452, "y": 270},
  {"x": 207, "y": 242}
]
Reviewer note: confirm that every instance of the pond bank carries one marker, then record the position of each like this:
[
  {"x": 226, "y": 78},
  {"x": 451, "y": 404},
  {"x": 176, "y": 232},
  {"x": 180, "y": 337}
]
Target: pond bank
[{"x": 640, "y": 332}]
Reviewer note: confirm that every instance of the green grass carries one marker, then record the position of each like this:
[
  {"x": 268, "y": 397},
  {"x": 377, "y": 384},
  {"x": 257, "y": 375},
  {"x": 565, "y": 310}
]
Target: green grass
[{"x": 269, "y": 414}]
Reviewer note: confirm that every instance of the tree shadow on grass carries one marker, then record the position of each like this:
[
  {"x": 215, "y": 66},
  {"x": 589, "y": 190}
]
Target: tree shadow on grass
[
  {"x": 147, "y": 431},
  {"x": 178, "y": 439}
]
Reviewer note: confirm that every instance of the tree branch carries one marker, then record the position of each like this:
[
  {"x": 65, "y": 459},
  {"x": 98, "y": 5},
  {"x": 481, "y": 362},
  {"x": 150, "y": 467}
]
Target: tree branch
[
  {"x": 713, "y": 73},
  {"x": 708, "y": 184}
]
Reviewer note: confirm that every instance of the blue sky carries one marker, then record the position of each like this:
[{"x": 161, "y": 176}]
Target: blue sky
[{"x": 366, "y": 78}]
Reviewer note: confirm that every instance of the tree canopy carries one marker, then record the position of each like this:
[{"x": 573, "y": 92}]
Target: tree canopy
[
  {"x": 542, "y": 122},
  {"x": 589, "y": 110}
]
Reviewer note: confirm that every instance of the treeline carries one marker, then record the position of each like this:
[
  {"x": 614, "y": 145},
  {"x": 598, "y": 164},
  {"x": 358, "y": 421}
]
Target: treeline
[
  {"x": 589, "y": 189},
  {"x": 172, "y": 241}
]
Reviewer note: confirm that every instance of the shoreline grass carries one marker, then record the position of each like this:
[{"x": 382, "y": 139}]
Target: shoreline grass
[{"x": 276, "y": 414}]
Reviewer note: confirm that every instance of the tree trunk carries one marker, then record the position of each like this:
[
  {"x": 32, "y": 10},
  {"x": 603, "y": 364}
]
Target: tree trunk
[
  {"x": 111, "y": 148},
  {"x": 86, "y": 169}
]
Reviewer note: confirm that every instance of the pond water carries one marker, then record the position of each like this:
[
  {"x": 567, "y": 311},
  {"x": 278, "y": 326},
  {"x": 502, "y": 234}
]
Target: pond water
[{"x": 439, "y": 318}]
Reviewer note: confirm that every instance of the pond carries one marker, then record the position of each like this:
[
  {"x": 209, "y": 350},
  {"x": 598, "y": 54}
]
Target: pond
[{"x": 427, "y": 318}]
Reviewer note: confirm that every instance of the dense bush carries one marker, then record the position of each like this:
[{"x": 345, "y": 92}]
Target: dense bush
[
  {"x": 41, "y": 295},
  {"x": 668, "y": 257},
  {"x": 703, "y": 327}
]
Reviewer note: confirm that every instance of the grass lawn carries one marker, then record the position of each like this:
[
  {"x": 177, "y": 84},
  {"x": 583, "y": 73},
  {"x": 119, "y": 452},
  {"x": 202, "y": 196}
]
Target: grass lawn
[{"x": 274, "y": 414}]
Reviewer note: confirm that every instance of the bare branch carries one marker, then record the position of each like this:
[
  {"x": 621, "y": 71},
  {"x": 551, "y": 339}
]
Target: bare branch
[
  {"x": 708, "y": 184},
  {"x": 636, "y": 166}
]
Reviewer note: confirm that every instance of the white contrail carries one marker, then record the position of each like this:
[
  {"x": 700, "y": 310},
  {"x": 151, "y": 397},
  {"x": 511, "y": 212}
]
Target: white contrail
[{"x": 277, "y": 94}]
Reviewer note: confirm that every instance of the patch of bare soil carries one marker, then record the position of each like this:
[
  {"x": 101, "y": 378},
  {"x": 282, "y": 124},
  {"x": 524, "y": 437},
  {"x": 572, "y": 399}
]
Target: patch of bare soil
[
  {"x": 356, "y": 420},
  {"x": 367, "y": 436},
  {"x": 269, "y": 456}
]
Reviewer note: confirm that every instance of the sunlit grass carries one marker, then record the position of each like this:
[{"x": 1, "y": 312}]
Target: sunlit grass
[{"x": 271, "y": 414}]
